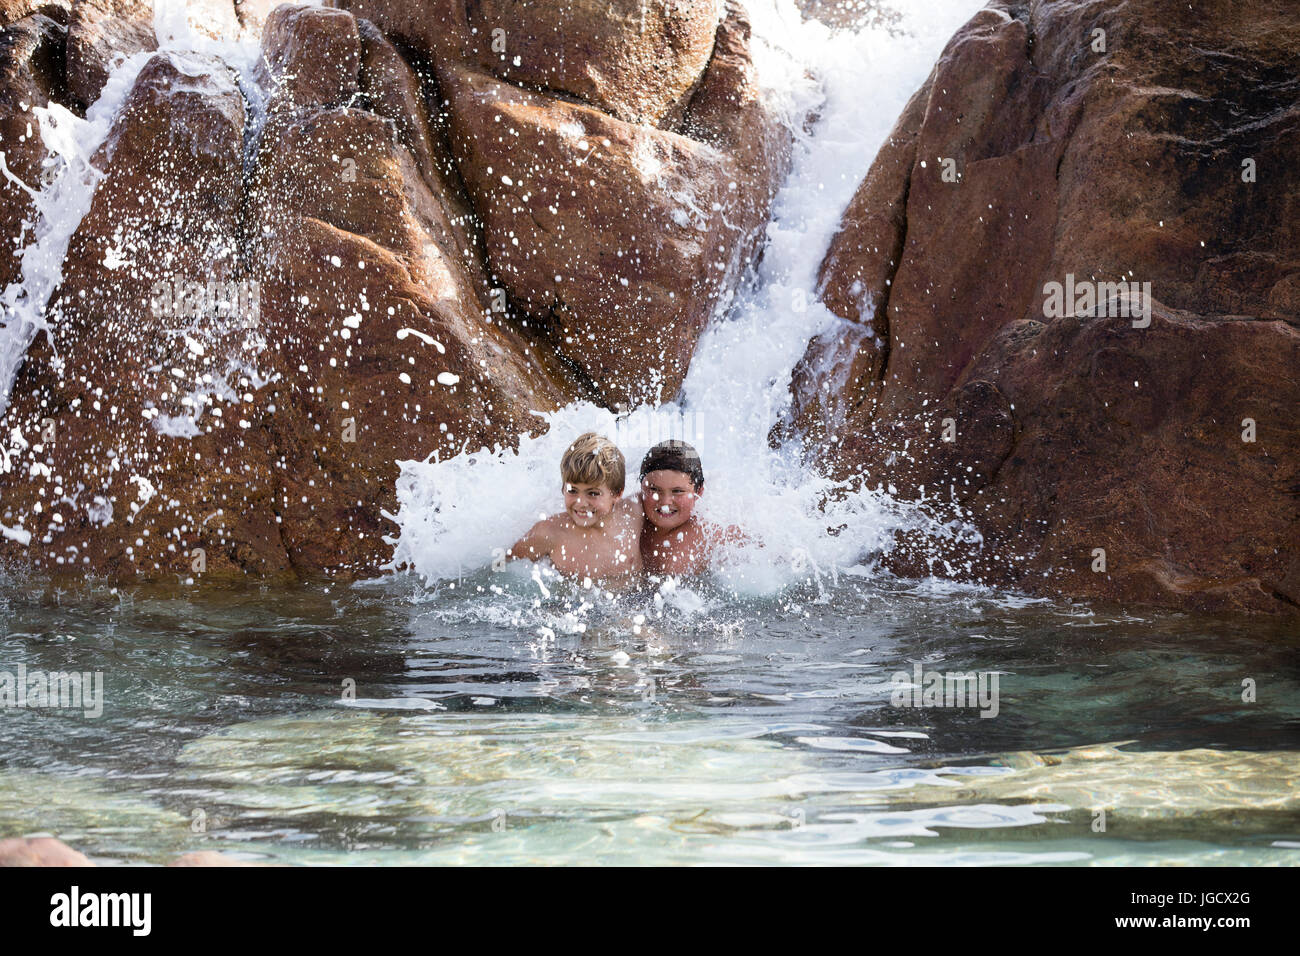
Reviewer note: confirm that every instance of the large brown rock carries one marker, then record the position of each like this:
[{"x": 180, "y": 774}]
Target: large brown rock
[
  {"x": 386, "y": 351},
  {"x": 621, "y": 239},
  {"x": 161, "y": 436},
  {"x": 648, "y": 229},
  {"x": 1031, "y": 154},
  {"x": 99, "y": 31},
  {"x": 376, "y": 311},
  {"x": 31, "y": 75},
  {"x": 637, "y": 60},
  {"x": 437, "y": 29},
  {"x": 310, "y": 55},
  {"x": 128, "y": 448},
  {"x": 634, "y": 59},
  {"x": 11, "y": 11},
  {"x": 395, "y": 91}
]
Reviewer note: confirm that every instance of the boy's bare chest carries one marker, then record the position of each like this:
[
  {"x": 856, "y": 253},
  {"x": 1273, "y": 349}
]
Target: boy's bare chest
[
  {"x": 612, "y": 551},
  {"x": 678, "y": 552}
]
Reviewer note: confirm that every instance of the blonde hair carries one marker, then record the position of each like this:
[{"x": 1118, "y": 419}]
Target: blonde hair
[{"x": 594, "y": 460}]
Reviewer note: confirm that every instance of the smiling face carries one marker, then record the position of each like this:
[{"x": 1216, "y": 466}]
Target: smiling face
[
  {"x": 588, "y": 505},
  {"x": 668, "y": 498}
]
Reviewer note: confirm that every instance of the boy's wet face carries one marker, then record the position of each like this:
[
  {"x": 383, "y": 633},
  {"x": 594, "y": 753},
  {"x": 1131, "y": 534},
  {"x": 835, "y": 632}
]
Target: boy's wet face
[
  {"x": 588, "y": 505},
  {"x": 668, "y": 498}
]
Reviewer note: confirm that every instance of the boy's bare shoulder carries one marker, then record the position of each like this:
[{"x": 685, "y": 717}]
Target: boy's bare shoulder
[
  {"x": 630, "y": 510},
  {"x": 540, "y": 539},
  {"x": 555, "y": 526},
  {"x": 558, "y": 520}
]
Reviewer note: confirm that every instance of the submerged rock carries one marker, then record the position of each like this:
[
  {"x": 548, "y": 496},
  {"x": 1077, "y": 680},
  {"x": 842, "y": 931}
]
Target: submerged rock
[
  {"x": 208, "y": 858},
  {"x": 1146, "y": 456},
  {"x": 39, "y": 851}
]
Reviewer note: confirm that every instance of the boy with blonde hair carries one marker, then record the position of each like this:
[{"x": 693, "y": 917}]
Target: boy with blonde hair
[{"x": 598, "y": 534}]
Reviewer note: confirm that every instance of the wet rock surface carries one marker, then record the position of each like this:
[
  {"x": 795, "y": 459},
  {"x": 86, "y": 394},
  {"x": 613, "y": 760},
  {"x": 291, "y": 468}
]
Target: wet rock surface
[
  {"x": 405, "y": 234},
  {"x": 31, "y": 75},
  {"x": 99, "y": 31},
  {"x": 1128, "y": 455},
  {"x": 272, "y": 303}
]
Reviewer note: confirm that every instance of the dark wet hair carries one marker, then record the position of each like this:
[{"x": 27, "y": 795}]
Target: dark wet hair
[{"x": 674, "y": 455}]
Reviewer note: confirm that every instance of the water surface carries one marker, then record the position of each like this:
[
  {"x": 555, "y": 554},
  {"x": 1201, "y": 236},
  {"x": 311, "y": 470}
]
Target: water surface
[{"x": 392, "y": 724}]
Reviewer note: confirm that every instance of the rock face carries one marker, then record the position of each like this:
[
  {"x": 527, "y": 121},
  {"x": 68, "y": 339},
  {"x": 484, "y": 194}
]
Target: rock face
[
  {"x": 641, "y": 164},
  {"x": 634, "y": 59},
  {"x": 620, "y": 239},
  {"x": 394, "y": 360},
  {"x": 615, "y": 235},
  {"x": 31, "y": 75},
  {"x": 1100, "y": 455},
  {"x": 124, "y": 444},
  {"x": 99, "y": 30},
  {"x": 268, "y": 306},
  {"x": 436, "y": 29},
  {"x": 310, "y": 56},
  {"x": 228, "y": 397},
  {"x": 11, "y": 11}
]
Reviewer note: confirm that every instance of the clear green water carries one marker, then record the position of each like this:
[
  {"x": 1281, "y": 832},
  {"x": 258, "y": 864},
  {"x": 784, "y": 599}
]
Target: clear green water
[{"x": 767, "y": 735}]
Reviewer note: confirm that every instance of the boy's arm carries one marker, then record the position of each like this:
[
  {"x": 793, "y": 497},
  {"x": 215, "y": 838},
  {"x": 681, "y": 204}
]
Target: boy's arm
[
  {"x": 737, "y": 535},
  {"x": 536, "y": 544},
  {"x": 732, "y": 535}
]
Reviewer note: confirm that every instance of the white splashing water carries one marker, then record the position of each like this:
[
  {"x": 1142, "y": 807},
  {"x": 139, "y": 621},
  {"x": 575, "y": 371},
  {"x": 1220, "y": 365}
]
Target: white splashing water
[
  {"x": 458, "y": 515},
  {"x": 65, "y": 197},
  {"x": 60, "y": 206}
]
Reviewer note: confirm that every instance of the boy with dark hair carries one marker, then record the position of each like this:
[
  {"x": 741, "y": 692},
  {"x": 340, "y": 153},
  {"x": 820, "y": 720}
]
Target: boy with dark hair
[{"x": 673, "y": 539}]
